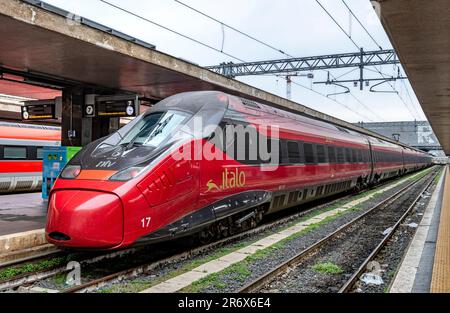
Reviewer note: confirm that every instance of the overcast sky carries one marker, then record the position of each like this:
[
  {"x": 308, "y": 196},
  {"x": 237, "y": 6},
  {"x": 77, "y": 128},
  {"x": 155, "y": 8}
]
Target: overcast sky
[{"x": 298, "y": 27}]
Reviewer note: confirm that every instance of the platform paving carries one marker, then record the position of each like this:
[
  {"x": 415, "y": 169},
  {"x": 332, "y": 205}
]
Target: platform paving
[
  {"x": 414, "y": 274},
  {"x": 21, "y": 213},
  {"x": 440, "y": 282}
]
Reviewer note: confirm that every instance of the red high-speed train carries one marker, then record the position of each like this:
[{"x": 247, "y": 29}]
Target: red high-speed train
[
  {"x": 21, "y": 155},
  {"x": 134, "y": 186}
]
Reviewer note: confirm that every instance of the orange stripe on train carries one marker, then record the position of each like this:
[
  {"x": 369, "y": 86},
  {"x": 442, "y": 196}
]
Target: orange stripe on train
[{"x": 96, "y": 174}]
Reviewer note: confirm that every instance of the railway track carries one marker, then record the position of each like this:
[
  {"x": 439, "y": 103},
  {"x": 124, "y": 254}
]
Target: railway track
[
  {"x": 133, "y": 272},
  {"x": 34, "y": 277},
  {"x": 333, "y": 240},
  {"x": 349, "y": 285},
  {"x": 30, "y": 279}
]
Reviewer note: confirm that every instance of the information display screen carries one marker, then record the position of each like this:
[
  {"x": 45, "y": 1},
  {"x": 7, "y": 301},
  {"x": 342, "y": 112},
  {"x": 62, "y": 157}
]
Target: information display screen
[
  {"x": 117, "y": 106},
  {"x": 39, "y": 110}
]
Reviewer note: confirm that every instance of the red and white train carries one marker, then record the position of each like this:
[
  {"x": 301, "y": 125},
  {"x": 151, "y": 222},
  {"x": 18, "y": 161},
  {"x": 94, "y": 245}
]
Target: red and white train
[
  {"x": 133, "y": 186},
  {"x": 21, "y": 155}
]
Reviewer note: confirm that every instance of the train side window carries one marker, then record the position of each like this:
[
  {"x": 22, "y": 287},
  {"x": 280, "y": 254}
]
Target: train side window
[
  {"x": 354, "y": 155},
  {"x": 293, "y": 152},
  {"x": 348, "y": 155},
  {"x": 309, "y": 153},
  {"x": 321, "y": 157},
  {"x": 360, "y": 156},
  {"x": 274, "y": 143},
  {"x": 39, "y": 153},
  {"x": 284, "y": 157},
  {"x": 340, "y": 155},
  {"x": 332, "y": 154},
  {"x": 15, "y": 153}
]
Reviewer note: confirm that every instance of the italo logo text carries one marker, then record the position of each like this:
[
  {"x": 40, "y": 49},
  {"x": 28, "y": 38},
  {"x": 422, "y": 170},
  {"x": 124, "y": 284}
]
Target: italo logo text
[{"x": 230, "y": 179}]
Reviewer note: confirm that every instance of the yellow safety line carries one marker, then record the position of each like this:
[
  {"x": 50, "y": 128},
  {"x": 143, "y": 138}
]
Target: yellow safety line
[{"x": 440, "y": 282}]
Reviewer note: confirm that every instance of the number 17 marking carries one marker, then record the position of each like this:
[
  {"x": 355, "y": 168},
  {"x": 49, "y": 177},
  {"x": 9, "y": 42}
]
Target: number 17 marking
[{"x": 146, "y": 222}]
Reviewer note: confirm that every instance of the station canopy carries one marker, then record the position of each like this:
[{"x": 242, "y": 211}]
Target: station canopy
[
  {"x": 420, "y": 32},
  {"x": 45, "y": 43}
]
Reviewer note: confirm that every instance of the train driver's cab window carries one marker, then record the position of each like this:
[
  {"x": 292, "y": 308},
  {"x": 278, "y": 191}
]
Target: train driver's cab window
[
  {"x": 154, "y": 128},
  {"x": 15, "y": 153}
]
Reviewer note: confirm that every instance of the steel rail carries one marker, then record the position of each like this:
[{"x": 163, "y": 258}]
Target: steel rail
[
  {"x": 128, "y": 273},
  {"x": 30, "y": 278},
  {"x": 31, "y": 258},
  {"x": 352, "y": 280},
  {"x": 33, "y": 277},
  {"x": 266, "y": 278}
]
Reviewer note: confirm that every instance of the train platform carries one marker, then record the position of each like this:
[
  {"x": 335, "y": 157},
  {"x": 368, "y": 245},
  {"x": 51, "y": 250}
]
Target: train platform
[
  {"x": 22, "y": 221},
  {"x": 426, "y": 265}
]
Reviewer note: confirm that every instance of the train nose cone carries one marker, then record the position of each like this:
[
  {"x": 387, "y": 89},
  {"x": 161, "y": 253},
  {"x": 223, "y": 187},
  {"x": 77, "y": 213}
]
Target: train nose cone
[{"x": 84, "y": 219}]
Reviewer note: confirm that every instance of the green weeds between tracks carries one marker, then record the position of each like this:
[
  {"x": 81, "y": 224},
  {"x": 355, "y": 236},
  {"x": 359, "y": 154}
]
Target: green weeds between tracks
[
  {"x": 327, "y": 268},
  {"x": 11, "y": 272},
  {"x": 240, "y": 271}
]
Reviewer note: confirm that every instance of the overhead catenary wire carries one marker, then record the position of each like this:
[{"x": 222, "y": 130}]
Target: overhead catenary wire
[
  {"x": 334, "y": 100},
  {"x": 356, "y": 45},
  {"x": 216, "y": 49},
  {"x": 237, "y": 30},
  {"x": 322, "y": 95},
  {"x": 415, "y": 114},
  {"x": 379, "y": 71},
  {"x": 170, "y": 30},
  {"x": 362, "y": 25},
  {"x": 358, "y": 100},
  {"x": 233, "y": 28},
  {"x": 275, "y": 49},
  {"x": 338, "y": 25},
  {"x": 411, "y": 99}
]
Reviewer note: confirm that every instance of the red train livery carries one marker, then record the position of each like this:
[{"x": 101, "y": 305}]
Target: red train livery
[
  {"x": 21, "y": 155},
  {"x": 134, "y": 186}
]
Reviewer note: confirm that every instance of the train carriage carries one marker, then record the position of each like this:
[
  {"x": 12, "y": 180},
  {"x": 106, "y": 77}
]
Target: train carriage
[
  {"x": 21, "y": 155},
  {"x": 164, "y": 176}
]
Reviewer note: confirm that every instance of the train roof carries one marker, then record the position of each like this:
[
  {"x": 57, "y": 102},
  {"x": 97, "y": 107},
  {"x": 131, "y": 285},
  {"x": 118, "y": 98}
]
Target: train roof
[
  {"x": 29, "y": 126},
  {"x": 378, "y": 139},
  {"x": 193, "y": 102}
]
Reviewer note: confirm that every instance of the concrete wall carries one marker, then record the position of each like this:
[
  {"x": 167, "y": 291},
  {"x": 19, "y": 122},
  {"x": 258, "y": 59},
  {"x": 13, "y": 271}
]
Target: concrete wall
[{"x": 414, "y": 133}]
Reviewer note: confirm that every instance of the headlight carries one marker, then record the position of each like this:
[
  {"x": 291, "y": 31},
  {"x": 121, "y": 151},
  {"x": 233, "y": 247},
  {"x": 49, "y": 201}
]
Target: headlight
[
  {"x": 71, "y": 172},
  {"x": 128, "y": 174}
]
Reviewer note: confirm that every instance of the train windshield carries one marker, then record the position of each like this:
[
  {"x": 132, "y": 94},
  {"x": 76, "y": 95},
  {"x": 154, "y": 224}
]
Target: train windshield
[{"x": 153, "y": 129}]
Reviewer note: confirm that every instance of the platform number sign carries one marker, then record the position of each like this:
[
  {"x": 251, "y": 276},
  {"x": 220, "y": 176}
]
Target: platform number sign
[{"x": 89, "y": 110}]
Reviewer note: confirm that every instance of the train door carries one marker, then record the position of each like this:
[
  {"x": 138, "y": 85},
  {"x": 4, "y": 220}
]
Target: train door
[
  {"x": 403, "y": 161},
  {"x": 173, "y": 187},
  {"x": 371, "y": 161}
]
